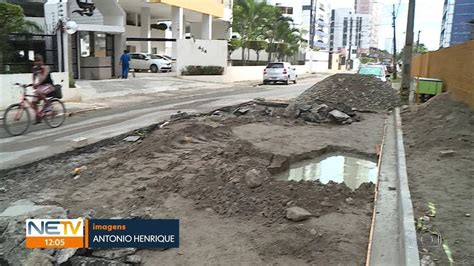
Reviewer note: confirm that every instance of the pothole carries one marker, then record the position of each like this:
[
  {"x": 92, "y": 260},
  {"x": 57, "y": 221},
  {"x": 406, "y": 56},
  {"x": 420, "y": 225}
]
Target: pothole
[{"x": 352, "y": 170}]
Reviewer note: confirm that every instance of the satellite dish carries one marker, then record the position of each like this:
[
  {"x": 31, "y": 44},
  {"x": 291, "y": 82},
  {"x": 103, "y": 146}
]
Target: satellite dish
[{"x": 70, "y": 27}]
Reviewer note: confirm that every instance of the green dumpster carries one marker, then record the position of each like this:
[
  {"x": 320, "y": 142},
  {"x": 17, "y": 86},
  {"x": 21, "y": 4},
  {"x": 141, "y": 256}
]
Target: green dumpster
[{"x": 429, "y": 86}]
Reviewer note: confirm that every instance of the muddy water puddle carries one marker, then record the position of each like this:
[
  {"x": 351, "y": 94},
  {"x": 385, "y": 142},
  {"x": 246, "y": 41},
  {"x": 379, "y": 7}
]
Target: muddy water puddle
[{"x": 339, "y": 168}]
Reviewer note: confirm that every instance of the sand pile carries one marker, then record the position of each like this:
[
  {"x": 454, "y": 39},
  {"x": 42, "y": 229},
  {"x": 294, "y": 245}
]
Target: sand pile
[{"x": 360, "y": 92}]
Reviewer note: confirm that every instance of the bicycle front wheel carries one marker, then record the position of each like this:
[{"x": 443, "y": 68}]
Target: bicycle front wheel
[
  {"x": 55, "y": 113},
  {"x": 16, "y": 119}
]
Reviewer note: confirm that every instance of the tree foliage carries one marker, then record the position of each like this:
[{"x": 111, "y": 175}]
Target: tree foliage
[
  {"x": 12, "y": 20},
  {"x": 421, "y": 49},
  {"x": 261, "y": 26}
]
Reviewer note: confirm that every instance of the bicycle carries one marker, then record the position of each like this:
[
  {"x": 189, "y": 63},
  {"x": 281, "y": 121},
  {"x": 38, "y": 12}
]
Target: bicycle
[{"x": 17, "y": 118}]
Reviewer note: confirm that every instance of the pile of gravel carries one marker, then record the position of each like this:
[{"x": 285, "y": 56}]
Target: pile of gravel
[{"x": 360, "y": 92}]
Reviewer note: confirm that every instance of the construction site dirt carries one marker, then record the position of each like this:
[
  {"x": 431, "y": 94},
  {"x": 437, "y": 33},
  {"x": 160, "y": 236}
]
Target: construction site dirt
[
  {"x": 214, "y": 173},
  {"x": 439, "y": 139}
]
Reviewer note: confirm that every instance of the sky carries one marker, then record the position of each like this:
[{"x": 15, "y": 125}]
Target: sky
[{"x": 428, "y": 15}]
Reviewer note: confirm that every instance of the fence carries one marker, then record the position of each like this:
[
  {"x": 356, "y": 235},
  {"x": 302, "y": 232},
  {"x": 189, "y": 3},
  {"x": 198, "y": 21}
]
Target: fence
[
  {"x": 21, "y": 48},
  {"x": 453, "y": 65}
]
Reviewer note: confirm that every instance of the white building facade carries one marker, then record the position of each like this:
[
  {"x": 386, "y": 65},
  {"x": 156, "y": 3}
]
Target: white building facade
[
  {"x": 107, "y": 27},
  {"x": 372, "y": 8},
  {"x": 302, "y": 11},
  {"x": 350, "y": 32},
  {"x": 349, "y": 36}
]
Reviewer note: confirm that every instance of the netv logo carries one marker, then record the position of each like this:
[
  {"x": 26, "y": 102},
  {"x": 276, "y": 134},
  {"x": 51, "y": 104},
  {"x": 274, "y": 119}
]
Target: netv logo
[{"x": 55, "y": 227}]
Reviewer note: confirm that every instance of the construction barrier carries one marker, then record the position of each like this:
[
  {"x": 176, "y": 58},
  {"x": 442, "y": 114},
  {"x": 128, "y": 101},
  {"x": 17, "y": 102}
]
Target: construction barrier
[{"x": 453, "y": 65}]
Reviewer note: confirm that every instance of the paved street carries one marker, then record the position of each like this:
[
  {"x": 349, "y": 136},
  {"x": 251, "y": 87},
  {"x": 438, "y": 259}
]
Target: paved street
[{"x": 128, "y": 113}]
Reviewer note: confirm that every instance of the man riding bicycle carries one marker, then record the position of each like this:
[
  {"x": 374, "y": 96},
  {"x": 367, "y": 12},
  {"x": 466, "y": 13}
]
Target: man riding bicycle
[{"x": 42, "y": 83}]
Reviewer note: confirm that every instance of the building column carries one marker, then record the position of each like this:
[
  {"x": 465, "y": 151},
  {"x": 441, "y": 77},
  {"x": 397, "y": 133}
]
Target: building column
[
  {"x": 177, "y": 25},
  {"x": 206, "y": 27},
  {"x": 67, "y": 49},
  {"x": 119, "y": 46},
  {"x": 145, "y": 30}
]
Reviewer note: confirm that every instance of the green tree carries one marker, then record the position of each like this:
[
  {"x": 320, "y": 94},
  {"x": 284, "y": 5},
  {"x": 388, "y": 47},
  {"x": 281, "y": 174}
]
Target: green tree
[
  {"x": 421, "y": 49},
  {"x": 248, "y": 17},
  {"x": 232, "y": 45},
  {"x": 12, "y": 20},
  {"x": 257, "y": 46},
  {"x": 261, "y": 25}
]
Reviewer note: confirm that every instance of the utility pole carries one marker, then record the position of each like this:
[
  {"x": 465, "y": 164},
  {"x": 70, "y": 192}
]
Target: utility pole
[
  {"x": 312, "y": 32},
  {"x": 350, "y": 45},
  {"x": 418, "y": 42},
  {"x": 311, "y": 25},
  {"x": 407, "y": 53},
  {"x": 394, "y": 63}
]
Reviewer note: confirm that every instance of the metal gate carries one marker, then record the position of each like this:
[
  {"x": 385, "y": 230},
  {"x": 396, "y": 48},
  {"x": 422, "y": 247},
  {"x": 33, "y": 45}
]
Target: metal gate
[{"x": 20, "y": 49}]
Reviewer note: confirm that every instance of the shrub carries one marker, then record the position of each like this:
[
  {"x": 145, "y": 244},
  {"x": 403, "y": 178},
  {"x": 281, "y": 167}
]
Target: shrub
[
  {"x": 202, "y": 70},
  {"x": 72, "y": 82}
]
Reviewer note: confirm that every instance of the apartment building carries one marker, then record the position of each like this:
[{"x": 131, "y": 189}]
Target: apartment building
[
  {"x": 349, "y": 36},
  {"x": 315, "y": 32},
  {"x": 456, "y": 27},
  {"x": 370, "y": 7},
  {"x": 106, "y": 27}
]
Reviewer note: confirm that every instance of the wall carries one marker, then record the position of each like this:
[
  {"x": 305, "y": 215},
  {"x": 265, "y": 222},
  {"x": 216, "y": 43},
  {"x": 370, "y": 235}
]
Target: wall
[
  {"x": 241, "y": 73},
  {"x": 134, "y": 32},
  {"x": 10, "y": 94},
  {"x": 453, "y": 65},
  {"x": 211, "y": 7},
  {"x": 201, "y": 53}
]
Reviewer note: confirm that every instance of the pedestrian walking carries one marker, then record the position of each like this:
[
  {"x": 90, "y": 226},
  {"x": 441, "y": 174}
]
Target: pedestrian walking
[{"x": 125, "y": 62}]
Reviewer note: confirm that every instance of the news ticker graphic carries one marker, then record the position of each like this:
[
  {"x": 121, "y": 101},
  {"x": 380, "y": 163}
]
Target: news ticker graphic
[{"x": 102, "y": 233}]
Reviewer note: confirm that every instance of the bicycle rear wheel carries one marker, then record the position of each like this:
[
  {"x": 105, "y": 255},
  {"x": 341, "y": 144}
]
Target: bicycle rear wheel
[
  {"x": 55, "y": 113},
  {"x": 16, "y": 120}
]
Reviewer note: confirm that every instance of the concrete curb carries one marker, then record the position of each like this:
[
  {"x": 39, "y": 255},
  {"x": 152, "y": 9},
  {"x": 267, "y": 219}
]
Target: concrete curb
[
  {"x": 408, "y": 240},
  {"x": 81, "y": 111}
]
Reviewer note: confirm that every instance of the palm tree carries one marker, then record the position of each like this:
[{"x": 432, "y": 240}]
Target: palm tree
[
  {"x": 247, "y": 20},
  {"x": 259, "y": 22}
]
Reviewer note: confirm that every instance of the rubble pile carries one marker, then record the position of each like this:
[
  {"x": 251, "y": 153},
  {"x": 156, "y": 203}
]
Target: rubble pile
[
  {"x": 337, "y": 99},
  {"x": 358, "y": 92},
  {"x": 263, "y": 110},
  {"x": 323, "y": 113}
]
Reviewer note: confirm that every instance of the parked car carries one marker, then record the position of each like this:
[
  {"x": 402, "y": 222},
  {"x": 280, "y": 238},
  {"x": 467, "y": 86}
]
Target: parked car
[
  {"x": 142, "y": 61},
  {"x": 169, "y": 62},
  {"x": 158, "y": 56},
  {"x": 279, "y": 72},
  {"x": 378, "y": 71}
]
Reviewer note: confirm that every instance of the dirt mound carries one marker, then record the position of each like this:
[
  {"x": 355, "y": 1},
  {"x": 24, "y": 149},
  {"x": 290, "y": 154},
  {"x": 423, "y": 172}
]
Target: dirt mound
[
  {"x": 441, "y": 120},
  {"x": 439, "y": 139},
  {"x": 209, "y": 165},
  {"x": 361, "y": 92},
  {"x": 199, "y": 167}
]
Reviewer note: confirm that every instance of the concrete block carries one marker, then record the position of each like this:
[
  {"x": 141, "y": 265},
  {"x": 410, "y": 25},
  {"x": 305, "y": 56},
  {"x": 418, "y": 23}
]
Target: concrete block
[{"x": 80, "y": 142}]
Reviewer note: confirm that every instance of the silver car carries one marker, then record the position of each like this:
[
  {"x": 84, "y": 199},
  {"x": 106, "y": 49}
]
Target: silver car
[{"x": 279, "y": 72}]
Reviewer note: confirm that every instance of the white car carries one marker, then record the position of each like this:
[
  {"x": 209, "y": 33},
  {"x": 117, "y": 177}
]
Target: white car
[
  {"x": 142, "y": 61},
  {"x": 279, "y": 72},
  {"x": 379, "y": 71}
]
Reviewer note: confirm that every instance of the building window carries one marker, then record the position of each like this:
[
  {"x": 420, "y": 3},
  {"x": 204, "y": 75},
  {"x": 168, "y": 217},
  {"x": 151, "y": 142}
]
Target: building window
[
  {"x": 286, "y": 10},
  {"x": 344, "y": 32},
  {"x": 31, "y": 8},
  {"x": 93, "y": 44},
  {"x": 321, "y": 6},
  {"x": 131, "y": 17}
]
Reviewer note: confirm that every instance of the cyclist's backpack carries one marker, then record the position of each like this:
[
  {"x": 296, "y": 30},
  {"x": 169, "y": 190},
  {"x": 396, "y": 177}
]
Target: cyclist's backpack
[{"x": 57, "y": 93}]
